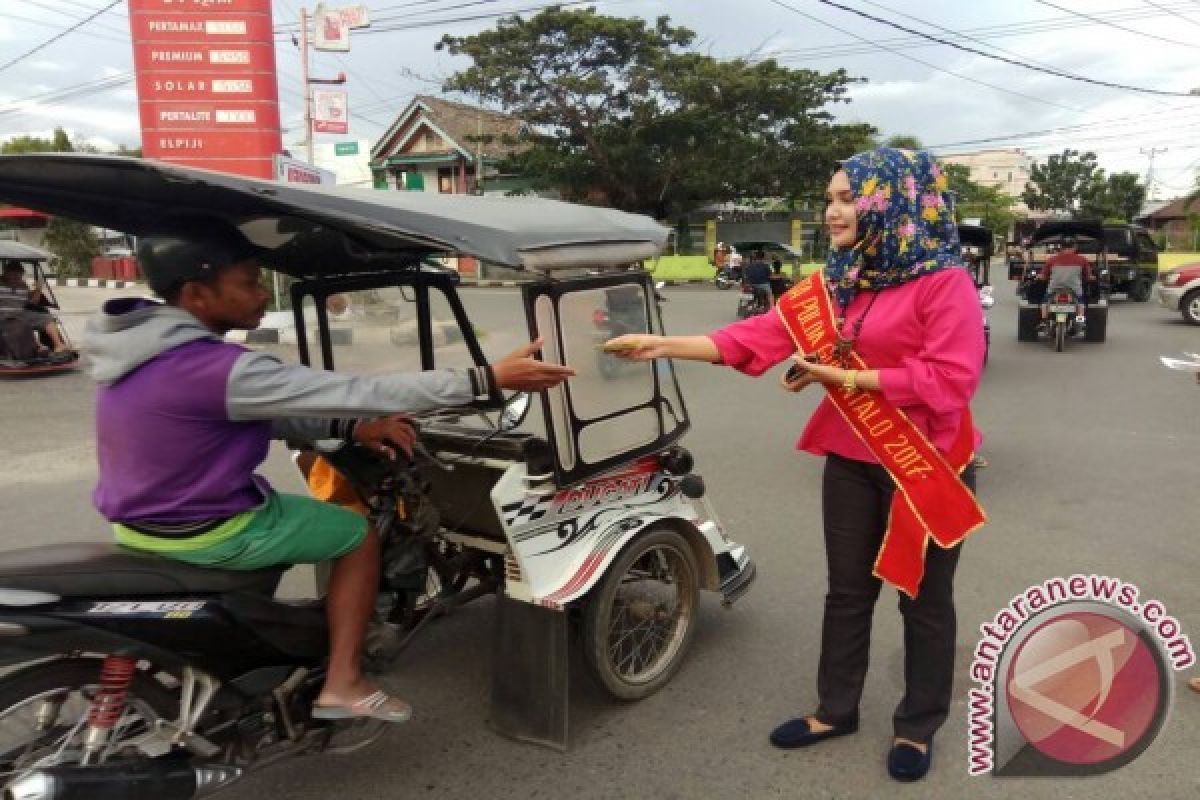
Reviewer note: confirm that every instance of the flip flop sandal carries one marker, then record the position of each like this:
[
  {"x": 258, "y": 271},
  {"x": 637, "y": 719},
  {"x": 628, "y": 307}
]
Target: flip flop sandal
[{"x": 378, "y": 706}]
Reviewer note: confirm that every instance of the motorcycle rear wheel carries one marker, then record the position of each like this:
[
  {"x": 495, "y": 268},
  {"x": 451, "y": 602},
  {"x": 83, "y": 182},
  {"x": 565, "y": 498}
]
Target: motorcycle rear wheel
[
  {"x": 1060, "y": 336},
  {"x": 62, "y": 691}
]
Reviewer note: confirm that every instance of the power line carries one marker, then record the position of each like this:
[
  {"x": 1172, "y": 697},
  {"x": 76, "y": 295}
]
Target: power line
[
  {"x": 398, "y": 17},
  {"x": 1044, "y": 131},
  {"x": 55, "y": 38},
  {"x": 374, "y": 29},
  {"x": 982, "y": 42},
  {"x": 1118, "y": 27},
  {"x": 75, "y": 18},
  {"x": 1075, "y": 141},
  {"x": 1005, "y": 59},
  {"x": 922, "y": 62},
  {"x": 58, "y": 96},
  {"x": 1024, "y": 28},
  {"x": 1175, "y": 14},
  {"x": 46, "y": 24}
]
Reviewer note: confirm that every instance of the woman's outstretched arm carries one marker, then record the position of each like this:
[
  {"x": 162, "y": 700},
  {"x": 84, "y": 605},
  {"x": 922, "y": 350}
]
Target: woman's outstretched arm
[{"x": 646, "y": 346}]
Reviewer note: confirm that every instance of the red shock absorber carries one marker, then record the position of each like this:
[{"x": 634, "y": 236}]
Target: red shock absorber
[{"x": 115, "y": 676}]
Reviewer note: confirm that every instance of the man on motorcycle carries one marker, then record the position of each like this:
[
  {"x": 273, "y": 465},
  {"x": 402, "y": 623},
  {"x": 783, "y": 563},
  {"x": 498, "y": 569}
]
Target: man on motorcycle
[
  {"x": 758, "y": 276},
  {"x": 1067, "y": 269},
  {"x": 184, "y": 418},
  {"x": 780, "y": 283}
]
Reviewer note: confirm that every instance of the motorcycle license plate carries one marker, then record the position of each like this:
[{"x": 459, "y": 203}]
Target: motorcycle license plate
[{"x": 1062, "y": 309}]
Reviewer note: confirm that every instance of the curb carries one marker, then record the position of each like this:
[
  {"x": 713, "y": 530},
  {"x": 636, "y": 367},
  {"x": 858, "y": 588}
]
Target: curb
[{"x": 92, "y": 283}]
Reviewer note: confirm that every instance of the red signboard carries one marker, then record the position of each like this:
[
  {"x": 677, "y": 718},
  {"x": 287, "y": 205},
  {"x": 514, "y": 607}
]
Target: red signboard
[
  {"x": 214, "y": 28},
  {"x": 233, "y": 58},
  {"x": 213, "y": 144},
  {"x": 260, "y": 167},
  {"x": 231, "y": 115},
  {"x": 207, "y": 90},
  {"x": 188, "y": 86},
  {"x": 201, "y": 6}
]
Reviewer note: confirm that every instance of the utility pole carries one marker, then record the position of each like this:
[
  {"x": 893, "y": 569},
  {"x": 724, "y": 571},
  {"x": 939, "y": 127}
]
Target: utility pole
[
  {"x": 308, "y": 132},
  {"x": 479, "y": 154},
  {"x": 307, "y": 82},
  {"x": 1149, "y": 181}
]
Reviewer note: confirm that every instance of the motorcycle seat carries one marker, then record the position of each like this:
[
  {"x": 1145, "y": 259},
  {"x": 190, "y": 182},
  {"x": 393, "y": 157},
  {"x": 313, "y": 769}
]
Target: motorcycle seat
[{"x": 95, "y": 569}]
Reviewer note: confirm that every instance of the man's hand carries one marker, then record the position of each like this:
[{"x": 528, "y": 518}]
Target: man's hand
[
  {"x": 385, "y": 434},
  {"x": 521, "y": 372}
]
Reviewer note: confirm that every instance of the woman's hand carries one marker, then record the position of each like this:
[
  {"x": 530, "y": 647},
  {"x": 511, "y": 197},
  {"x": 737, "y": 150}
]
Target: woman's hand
[
  {"x": 638, "y": 346},
  {"x": 803, "y": 372},
  {"x": 806, "y": 372}
]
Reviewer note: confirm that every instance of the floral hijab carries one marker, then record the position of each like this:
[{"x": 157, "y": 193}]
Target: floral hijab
[{"x": 905, "y": 223}]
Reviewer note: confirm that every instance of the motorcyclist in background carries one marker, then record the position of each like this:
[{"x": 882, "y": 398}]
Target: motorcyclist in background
[{"x": 1067, "y": 269}]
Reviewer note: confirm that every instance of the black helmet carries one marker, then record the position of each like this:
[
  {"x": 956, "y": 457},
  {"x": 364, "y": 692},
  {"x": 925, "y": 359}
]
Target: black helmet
[{"x": 189, "y": 252}]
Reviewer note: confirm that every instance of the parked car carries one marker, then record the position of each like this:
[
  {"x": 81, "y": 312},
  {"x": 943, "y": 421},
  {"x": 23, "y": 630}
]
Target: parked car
[
  {"x": 1132, "y": 261},
  {"x": 1178, "y": 289}
]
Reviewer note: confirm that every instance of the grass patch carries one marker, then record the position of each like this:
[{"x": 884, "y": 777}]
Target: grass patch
[
  {"x": 691, "y": 268},
  {"x": 1167, "y": 261}
]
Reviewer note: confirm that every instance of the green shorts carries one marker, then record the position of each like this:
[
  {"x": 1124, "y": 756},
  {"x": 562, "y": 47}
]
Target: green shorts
[{"x": 287, "y": 529}]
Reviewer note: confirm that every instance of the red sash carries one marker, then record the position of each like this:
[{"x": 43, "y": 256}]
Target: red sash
[{"x": 931, "y": 501}]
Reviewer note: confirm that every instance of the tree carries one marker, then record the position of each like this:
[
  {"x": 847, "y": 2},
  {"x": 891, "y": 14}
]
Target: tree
[
  {"x": 74, "y": 242},
  {"x": 1117, "y": 197},
  {"x": 903, "y": 141},
  {"x": 1062, "y": 182},
  {"x": 621, "y": 113},
  {"x": 992, "y": 206}
]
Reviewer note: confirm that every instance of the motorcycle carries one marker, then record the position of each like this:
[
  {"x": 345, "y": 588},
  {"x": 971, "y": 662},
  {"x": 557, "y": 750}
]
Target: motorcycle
[
  {"x": 727, "y": 278},
  {"x": 1061, "y": 323},
  {"x": 196, "y": 675},
  {"x": 987, "y": 299},
  {"x": 752, "y": 302}
]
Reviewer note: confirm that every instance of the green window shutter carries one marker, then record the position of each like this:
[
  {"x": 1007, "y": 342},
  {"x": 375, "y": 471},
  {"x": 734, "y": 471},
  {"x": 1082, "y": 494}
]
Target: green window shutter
[
  {"x": 414, "y": 181},
  {"x": 380, "y": 179}
]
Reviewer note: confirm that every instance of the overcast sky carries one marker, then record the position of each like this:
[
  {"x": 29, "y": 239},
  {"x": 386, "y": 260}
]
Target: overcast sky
[{"x": 900, "y": 95}]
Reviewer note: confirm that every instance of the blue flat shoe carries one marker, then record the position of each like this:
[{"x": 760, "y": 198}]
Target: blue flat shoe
[
  {"x": 906, "y": 763},
  {"x": 797, "y": 733}
]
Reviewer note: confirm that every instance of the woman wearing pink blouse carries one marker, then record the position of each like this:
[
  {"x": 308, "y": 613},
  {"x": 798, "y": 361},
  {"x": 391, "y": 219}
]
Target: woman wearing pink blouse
[{"x": 907, "y": 313}]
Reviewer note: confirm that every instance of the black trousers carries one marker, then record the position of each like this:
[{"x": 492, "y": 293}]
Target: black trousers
[{"x": 855, "y": 501}]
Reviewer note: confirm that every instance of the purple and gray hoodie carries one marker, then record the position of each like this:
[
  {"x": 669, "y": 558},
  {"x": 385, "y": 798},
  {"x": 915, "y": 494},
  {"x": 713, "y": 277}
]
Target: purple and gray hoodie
[{"x": 183, "y": 418}]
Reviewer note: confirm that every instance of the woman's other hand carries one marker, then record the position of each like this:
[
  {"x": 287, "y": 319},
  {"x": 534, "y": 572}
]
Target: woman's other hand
[
  {"x": 805, "y": 372},
  {"x": 797, "y": 379},
  {"x": 637, "y": 347}
]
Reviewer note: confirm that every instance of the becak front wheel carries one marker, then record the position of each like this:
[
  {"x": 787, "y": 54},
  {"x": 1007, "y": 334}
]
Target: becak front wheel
[{"x": 640, "y": 619}]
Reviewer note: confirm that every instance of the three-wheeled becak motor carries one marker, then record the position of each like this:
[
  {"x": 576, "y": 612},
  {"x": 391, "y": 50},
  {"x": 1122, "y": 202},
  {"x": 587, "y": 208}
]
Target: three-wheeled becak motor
[
  {"x": 1031, "y": 291},
  {"x": 593, "y": 519},
  {"x": 26, "y": 319}
]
